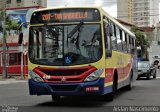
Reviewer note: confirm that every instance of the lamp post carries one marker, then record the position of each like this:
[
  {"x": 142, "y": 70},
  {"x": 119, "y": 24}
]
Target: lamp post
[{"x": 4, "y": 71}]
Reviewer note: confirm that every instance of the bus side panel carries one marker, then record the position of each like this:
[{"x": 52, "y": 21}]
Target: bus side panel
[
  {"x": 108, "y": 80},
  {"x": 123, "y": 70}
]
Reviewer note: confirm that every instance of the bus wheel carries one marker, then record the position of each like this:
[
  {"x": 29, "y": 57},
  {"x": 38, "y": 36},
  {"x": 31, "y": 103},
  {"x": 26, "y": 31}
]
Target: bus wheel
[
  {"x": 110, "y": 96},
  {"x": 130, "y": 85},
  {"x": 56, "y": 98}
]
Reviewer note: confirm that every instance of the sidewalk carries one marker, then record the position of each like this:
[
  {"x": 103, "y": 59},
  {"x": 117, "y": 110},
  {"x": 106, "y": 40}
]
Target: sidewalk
[
  {"x": 158, "y": 73},
  {"x": 11, "y": 80},
  {"x": 8, "y": 81}
]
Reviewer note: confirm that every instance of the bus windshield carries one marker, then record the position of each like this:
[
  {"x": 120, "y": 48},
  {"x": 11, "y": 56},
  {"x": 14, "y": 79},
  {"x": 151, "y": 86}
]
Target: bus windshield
[{"x": 67, "y": 44}]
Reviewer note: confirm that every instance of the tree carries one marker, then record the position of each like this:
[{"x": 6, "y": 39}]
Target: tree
[
  {"x": 10, "y": 25},
  {"x": 141, "y": 40},
  {"x": 1, "y": 19}
]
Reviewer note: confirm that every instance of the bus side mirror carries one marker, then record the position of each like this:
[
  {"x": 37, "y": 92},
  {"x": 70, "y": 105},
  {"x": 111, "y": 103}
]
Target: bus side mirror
[
  {"x": 20, "y": 28},
  {"x": 20, "y": 39},
  {"x": 108, "y": 53}
]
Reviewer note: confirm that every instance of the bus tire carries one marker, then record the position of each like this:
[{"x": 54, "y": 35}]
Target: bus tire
[
  {"x": 130, "y": 85},
  {"x": 56, "y": 98},
  {"x": 110, "y": 96}
]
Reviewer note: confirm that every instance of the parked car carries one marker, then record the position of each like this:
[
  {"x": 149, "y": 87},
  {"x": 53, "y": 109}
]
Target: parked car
[{"x": 145, "y": 69}]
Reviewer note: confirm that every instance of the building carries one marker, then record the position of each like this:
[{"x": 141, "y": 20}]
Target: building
[
  {"x": 19, "y": 11},
  {"x": 124, "y": 10},
  {"x": 1, "y": 4},
  {"x": 139, "y": 12},
  {"x": 25, "y": 3},
  {"x": 154, "y": 49}
]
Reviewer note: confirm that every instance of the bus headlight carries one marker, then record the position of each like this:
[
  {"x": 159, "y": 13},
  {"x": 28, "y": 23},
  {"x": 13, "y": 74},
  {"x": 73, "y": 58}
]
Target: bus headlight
[
  {"x": 95, "y": 75},
  {"x": 35, "y": 77}
]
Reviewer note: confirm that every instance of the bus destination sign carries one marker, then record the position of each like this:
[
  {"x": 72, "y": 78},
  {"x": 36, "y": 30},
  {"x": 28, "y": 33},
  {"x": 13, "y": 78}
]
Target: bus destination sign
[{"x": 65, "y": 15}]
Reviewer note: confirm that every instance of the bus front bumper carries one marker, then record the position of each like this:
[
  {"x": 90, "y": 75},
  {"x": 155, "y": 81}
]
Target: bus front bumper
[{"x": 64, "y": 89}]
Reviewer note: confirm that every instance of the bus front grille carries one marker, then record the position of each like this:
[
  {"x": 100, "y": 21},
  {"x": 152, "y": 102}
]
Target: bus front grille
[
  {"x": 64, "y": 72},
  {"x": 67, "y": 80}
]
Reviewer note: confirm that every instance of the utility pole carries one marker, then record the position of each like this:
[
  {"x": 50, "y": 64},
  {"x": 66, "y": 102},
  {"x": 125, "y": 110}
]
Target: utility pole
[{"x": 4, "y": 58}]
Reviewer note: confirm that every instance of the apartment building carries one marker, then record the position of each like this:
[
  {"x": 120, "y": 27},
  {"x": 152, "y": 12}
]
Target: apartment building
[
  {"x": 11, "y": 4},
  {"x": 124, "y": 10},
  {"x": 154, "y": 49},
  {"x": 139, "y": 12}
]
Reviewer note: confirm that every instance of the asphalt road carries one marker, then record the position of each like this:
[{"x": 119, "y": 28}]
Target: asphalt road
[{"x": 144, "y": 93}]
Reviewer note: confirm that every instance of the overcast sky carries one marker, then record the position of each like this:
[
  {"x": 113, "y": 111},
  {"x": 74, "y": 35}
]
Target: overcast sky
[{"x": 109, "y": 5}]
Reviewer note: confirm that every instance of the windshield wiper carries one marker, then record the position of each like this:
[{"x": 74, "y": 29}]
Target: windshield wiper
[
  {"x": 75, "y": 29},
  {"x": 54, "y": 33},
  {"x": 72, "y": 32}
]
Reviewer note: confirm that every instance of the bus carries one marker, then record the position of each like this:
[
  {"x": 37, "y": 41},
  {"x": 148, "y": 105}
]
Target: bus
[{"x": 79, "y": 51}]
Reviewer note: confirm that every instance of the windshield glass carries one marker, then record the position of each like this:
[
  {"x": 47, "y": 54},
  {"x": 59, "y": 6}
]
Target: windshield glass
[
  {"x": 143, "y": 65},
  {"x": 65, "y": 44}
]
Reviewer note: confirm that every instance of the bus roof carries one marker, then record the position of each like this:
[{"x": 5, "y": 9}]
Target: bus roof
[
  {"x": 99, "y": 8},
  {"x": 119, "y": 24}
]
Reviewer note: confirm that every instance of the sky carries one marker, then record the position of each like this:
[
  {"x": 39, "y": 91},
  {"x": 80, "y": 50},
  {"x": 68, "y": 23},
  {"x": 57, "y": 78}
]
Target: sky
[{"x": 109, "y": 6}]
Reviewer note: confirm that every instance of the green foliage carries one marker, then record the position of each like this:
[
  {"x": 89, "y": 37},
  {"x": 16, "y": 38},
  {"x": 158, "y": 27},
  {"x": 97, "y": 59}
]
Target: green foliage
[
  {"x": 141, "y": 40},
  {"x": 1, "y": 29},
  {"x": 10, "y": 25}
]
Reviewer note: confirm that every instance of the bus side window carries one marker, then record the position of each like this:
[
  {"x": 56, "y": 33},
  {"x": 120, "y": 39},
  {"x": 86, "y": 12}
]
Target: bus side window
[
  {"x": 119, "y": 36},
  {"x": 113, "y": 37},
  {"x": 126, "y": 39},
  {"x": 107, "y": 37},
  {"x": 120, "y": 40},
  {"x": 128, "y": 43},
  {"x": 133, "y": 46},
  {"x": 124, "y": 42},
  {"x": 131, "y": 40}
]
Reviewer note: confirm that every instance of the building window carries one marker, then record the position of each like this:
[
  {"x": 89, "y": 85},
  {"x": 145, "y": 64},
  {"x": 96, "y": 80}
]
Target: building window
[
  {"x": 14, "y": 58},
  {"x": 8, "y": 1},
  {"x": 18, "y": 1}
]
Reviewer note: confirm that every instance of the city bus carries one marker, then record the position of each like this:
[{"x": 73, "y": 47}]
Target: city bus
[{"x": 79, "y": 51}]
